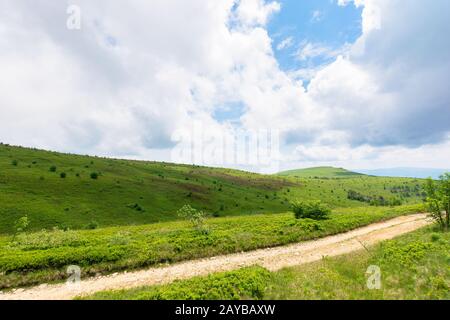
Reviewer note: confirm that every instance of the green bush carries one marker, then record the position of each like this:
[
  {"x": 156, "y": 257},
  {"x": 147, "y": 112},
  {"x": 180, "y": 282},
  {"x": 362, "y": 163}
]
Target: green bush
[
  {"x": 94, "y": 175},
  {"x": 195, "y": 217},
  {"x": 15, "y": 163},
  {"x": 63, "y": 175},
  {"x": 52, "y": 169},
  {"x": 92, "y": 225},
  {"x": 22, "y": 224},
  {"x": 315, "y": 210}
]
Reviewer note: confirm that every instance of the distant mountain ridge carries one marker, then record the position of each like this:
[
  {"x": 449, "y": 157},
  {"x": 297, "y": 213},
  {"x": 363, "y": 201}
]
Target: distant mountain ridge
[
  {"x": 405, "y": 172},
  {"x": 320, "y": 172}
]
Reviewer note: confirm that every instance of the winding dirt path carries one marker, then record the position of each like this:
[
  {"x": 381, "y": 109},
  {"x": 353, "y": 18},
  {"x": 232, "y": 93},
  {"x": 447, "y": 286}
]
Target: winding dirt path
[{"x": 271, "y": 258}]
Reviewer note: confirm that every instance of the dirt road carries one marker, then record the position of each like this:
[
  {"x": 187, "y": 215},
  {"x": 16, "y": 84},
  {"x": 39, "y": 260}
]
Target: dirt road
[{"x": 271, "y": 258}]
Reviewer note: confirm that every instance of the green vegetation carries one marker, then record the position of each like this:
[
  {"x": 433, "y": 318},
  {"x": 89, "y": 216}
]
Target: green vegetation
[
  {"x": 320, "y": 172},
  {"x": 438, "y": 200},
  {"x": 108, "y": 215},
  {"x": 22, "y": 224},
  {"x": 247, "y": 283},
  {"x": 42, "y": 257},
  {"x": 119, "y": 192},
  {"x": 373, "y": 200},
  {"x": 414, "y": 266},
  {"x": 102, "y": 189},
  {"x": 94, "y": 175},
  {"x": 195, "y": 217},
  {"x": 315, "y": 210}
]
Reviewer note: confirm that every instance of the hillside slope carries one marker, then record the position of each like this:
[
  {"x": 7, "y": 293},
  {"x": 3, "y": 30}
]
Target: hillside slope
[
  {"x": 125, "y": 192},
  {"x": 58, "y": 190}
]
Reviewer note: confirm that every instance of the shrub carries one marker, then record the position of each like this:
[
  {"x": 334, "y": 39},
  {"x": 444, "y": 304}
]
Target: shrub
[
  {"x": 44, "y": 240},
  {"x": 22, "y": 224},
  {"x": 52, "y": 169},
  {"x": 438, "y": 200},
  {"x": 62, "y": 175},
  {"x": 315, "y": 210},
  {"x": 15, "y": 163},
  {"x": 135, "y": 206},
  {"x": 92, "y": 225},
  {"x": 195, "y": 217},
  {"x": 94, "y": 175}
]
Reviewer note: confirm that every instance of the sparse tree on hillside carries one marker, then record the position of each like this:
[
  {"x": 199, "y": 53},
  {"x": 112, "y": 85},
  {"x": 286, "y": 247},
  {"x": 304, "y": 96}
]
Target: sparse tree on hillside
[
  {"x": 21, "y": 225},
  {"x": 438, "y": 200}
]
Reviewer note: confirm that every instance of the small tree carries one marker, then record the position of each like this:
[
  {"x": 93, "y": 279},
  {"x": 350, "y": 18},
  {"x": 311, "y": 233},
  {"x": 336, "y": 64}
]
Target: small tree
[
  {"x": 438, "y": 200},
  {"x": 21, "y": 224},
  {"x": 310, "y": 209},
  {"x": 52, "y": 169},
  {"x": 195, "y": 217}
]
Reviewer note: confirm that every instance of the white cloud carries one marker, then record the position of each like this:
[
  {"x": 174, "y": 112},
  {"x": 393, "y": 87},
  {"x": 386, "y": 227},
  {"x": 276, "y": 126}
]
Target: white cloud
[
  {"x": 310, "y": 50},
  {"x": 134, "y": 74},
  {"x": 317, "y": 16},
  {"x": 256, "y": 12},
  {"x": 390, "y": 91},
  {"x": 285, "y": 43}
]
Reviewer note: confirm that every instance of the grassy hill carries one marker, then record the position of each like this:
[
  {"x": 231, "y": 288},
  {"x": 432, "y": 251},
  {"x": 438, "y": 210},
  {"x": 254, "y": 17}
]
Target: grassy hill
[
  {"x": 320, "y": 172},
  {"x": 65, "y": 190}
]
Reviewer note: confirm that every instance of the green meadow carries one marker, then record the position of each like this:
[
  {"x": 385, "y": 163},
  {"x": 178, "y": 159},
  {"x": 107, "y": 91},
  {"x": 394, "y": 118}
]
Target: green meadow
[{"x": 57, "y": 190}]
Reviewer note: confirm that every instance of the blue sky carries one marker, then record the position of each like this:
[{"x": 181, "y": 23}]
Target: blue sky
[{"x": 314, "y": 21}]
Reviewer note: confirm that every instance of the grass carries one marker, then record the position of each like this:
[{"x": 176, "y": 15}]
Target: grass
[
  {"x": 34, "y": 258},
  {"x": 79, "y": 192},
  {"x": 413, "y": 266}
]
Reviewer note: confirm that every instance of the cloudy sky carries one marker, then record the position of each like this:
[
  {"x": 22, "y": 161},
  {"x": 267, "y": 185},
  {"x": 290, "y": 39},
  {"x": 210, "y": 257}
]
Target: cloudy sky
[{"x": 352, "y": 83}]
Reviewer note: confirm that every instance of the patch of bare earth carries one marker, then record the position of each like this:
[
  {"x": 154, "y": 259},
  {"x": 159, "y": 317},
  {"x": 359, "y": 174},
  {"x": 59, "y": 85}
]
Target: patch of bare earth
[{"x": 271, "y": 258}]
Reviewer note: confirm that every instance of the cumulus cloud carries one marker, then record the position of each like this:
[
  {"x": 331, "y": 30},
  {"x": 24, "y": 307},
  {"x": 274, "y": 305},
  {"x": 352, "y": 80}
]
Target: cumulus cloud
[
  {"x": 391, "y": 89},
  {"x": 256, "y": 12},
  {"x": 135, "y": 74},
  {"x": 125, "y": 81},
  {"x": 285, "y": 43}
]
